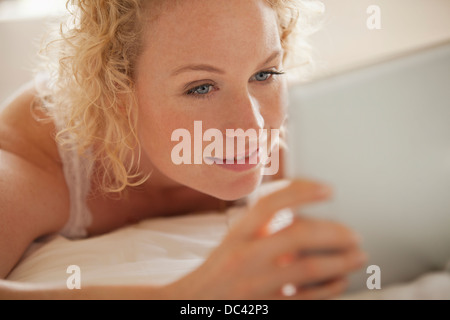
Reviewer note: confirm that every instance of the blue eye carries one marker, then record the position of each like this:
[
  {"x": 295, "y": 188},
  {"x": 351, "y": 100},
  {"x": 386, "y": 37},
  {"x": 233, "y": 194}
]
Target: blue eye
[
  {"x": 262, "y": 76},
  {"x": 201, "y": 90},
  {"x": 204, "y": 90},
  {"x": 265, "y": 75}
]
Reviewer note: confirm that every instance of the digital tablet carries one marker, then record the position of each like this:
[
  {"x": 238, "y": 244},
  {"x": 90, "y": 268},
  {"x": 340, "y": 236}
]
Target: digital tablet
[{"x": 380, "y": 136}]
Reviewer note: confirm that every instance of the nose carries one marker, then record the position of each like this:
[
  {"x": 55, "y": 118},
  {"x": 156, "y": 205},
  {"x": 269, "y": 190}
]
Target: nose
[
  {"x": 244, "y": 112},
  {"x": 243, "y": 124}
]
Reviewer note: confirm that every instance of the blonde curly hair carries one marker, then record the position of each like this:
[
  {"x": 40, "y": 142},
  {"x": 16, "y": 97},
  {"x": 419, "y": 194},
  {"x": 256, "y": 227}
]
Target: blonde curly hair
[{"x": 91, "y": 89}]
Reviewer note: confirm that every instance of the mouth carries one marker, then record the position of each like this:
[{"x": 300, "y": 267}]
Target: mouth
[
  {"x": 234, "y": 160},
  {"x": 239, "y": 163},
  {"x": 246, "y": 155}
]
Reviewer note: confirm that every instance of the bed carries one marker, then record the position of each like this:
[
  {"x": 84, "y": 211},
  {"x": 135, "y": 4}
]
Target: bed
[{"x": 159, "y": 251}]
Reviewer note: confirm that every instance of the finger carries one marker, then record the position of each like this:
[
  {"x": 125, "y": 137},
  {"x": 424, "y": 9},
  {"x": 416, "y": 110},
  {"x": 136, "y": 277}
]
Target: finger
[
  {"x": 306, "y": 235},
  {"x": 312, "y": 270},
  {"x": 295, "y": 193},
  {"x": 316, "y": 269},
  {"x": 327, "y": 290}
]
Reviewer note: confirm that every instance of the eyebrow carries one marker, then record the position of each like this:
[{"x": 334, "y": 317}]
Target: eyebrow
[{"x": 206, "y": 67}]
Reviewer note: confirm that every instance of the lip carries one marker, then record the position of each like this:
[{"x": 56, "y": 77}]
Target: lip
[
  {"x": 246, "y": 155},
  {"x": 251, "y": 161}
]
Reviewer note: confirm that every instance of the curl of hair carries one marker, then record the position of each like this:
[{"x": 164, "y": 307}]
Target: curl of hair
[
  {"x": 90, "y": 91},
  {"x": 297, "y": 21}
]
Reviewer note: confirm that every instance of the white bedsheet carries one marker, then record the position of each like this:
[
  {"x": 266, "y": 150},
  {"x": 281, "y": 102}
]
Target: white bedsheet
[
  {"x": 155, "y": 251},
  {"x": 159, "y": 251}
]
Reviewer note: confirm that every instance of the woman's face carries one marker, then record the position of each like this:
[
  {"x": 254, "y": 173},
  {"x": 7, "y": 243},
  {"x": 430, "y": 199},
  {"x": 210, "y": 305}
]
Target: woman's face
[{"x": 209, "y": 61}]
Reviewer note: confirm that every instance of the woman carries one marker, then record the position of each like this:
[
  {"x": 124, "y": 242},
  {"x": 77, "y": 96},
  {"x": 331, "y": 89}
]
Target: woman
[{"x": 128, "y": 75}]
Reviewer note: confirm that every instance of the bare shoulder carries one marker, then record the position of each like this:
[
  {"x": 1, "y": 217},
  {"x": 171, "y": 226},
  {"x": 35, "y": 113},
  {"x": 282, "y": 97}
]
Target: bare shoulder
[
  {"x": 34, "y": 200},
  {"x": 24, "y": 136}
]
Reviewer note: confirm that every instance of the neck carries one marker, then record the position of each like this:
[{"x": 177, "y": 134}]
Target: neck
[{"x": 157, "y": 179}]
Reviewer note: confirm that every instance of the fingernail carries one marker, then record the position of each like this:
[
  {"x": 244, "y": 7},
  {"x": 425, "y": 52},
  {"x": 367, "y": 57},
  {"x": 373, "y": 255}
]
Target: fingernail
[
  {"x": 360, "y": 258},
  {"x": 357, "y": 237},
  {"x": 324, "y": 190}
]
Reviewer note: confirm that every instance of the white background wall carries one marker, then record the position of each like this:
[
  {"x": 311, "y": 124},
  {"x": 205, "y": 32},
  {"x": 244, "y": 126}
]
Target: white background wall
[
  {"x": 22, "y": 23},
  {"x": 343, "y": 42},
  {"x": 19, "y": 41}
]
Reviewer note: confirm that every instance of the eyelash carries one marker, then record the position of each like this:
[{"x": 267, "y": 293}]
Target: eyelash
[{"x": 191, "y": 92}]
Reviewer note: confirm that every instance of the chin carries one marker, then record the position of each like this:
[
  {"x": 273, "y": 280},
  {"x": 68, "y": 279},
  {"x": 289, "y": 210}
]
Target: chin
[
  {"x": 217, "y": 182},
  {"x": 234, "y": 188}
]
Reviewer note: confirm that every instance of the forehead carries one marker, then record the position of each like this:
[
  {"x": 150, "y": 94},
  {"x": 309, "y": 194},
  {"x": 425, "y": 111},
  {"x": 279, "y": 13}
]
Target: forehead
[{"x": 213, "y": 29}]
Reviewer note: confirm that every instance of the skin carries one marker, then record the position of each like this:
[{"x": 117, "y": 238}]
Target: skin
[
  {"x": 250, "y": 263},
  {"x": 235, "y": 99}
]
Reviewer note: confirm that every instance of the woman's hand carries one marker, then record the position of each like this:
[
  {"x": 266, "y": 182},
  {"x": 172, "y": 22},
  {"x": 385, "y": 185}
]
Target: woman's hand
[{"x": 313, "y": 256}]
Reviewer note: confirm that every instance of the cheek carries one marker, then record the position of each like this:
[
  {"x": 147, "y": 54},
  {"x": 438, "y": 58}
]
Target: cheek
[
  {"x": 154, "y": 126},
  {"x": 275, "y": 104},
  {"x": 157, "y": 122}
]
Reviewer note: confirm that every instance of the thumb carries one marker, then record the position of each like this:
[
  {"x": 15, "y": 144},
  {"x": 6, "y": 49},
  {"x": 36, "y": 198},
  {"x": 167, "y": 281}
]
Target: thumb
[{"x": 266, "y": 202}]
